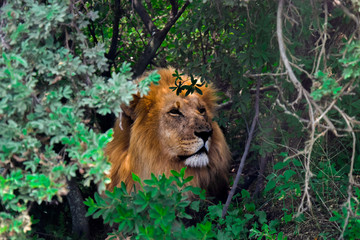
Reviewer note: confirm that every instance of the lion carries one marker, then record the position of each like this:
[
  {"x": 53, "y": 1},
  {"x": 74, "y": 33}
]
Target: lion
[{"x": 164, "y": 131}]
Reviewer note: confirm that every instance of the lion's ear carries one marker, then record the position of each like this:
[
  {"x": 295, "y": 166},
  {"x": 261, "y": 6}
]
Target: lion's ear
[{"x": 129, "y": 110}]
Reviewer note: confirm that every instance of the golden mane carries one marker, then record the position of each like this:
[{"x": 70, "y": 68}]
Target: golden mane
[{"x": 162, "y": 132}]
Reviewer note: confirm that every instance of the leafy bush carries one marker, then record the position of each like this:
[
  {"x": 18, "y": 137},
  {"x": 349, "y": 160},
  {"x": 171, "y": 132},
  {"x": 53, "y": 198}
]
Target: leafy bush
[
  {"x": 349, "y": 217},
  {"x": 50, "y": 89},
  {"x": 55, "y": 82},
  {"x": 154, "y": 212},
  {"x": 163, "y": 207}
]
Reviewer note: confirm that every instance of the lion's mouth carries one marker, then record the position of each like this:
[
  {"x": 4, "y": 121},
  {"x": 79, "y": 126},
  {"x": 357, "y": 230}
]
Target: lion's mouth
[
  {"x": 198, "y": 159},
  {"x": 202, "y": 150}
]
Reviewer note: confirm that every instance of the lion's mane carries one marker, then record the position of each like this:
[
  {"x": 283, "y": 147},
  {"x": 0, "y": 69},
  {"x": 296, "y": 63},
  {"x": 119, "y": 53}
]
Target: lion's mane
[{"x": 142, "y": 145}]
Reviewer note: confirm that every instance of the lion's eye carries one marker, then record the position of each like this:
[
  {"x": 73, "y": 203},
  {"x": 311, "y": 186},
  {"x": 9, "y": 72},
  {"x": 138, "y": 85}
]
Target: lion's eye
[
  {"x": 202, "y": 111},
  {"x": 175, "y": 112}
]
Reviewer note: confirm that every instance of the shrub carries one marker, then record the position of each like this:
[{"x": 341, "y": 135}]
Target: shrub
[
  {"x": 161, "y": 209},
  {"x": 50, "y": 89}
]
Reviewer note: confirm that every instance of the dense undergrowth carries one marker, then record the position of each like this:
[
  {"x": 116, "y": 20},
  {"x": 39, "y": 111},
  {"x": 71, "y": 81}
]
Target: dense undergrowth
[{"x": 65, "y": 66}]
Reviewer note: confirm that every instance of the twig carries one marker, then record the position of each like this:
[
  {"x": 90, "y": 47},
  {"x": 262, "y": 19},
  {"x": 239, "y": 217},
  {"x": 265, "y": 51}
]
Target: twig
[
  {"x": 224, "y": 105},
  {"x": 247, "y": 147},
  {"x": 264, "y": 89},
  {"x": 308, "y": 150},
  {"x": 351, "y": 177},
  {"x": 332, "y": 104},
  {"x": 323, "y": 39},
  {"x": 348, "y": 13},
  {"x": 294, "y": 80},
  {"x": 302, "y": 70},
  {"x": 289, "y": 112},
  {"x": 256, "y": 75}
]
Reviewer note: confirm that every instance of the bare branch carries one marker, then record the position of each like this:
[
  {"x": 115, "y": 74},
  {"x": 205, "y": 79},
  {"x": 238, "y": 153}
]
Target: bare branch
[
  {"x": 308, "y": 151},
  {"x": 91, "y": 29},
  {"x": 114, "y": 40},
  {"x": 348, "y": 13},
  {"x": 351, "y": 177},
  {"x": 332, "y": 104},
  {"x": 246, "y": 151},
  {"x": 173, "y": 20},
  {"x": 323, "y": 37},
  {"x": 174, "y": 7},
  {"x": 291, "y": 74},
  {"x": 149, "y": 24},
  {"x": 155, "y": 41},
  {"x": 256, "y": 75},
  {"x": 224, "y": 105},
  {"x": 282, "y": 49}
]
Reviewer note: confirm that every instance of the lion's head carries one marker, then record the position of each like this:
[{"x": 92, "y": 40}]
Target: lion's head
[{"x": 164, "y": 131}]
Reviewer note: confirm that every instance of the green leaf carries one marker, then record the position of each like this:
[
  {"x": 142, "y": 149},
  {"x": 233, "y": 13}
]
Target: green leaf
[
  {"x": 250, "y": 207},
  {"x": 270, "y": 185},
  {"x": 18, "y": 30},
  {"x": 198, "y": 90},
  {"x": 182, "y": 172},
  {"x": 296, "y": 162},
  {"x": 320, "y": 74},
  {"x": 336, "y": 90},
  {"x": 288, "y": 174},
  {"x": 248, "y": 216},
  {"x": 184, "y": 204},
  {"x": 280, "y": 165},
  {"x": 195, "y": 205},
  {"x": 262, "y": 216},
  {"x": 20, "y": 60},
  {"x": 245, "y": 194},
  {"x": 136, "y": 178},
  {"x": 175, "y": 173}
]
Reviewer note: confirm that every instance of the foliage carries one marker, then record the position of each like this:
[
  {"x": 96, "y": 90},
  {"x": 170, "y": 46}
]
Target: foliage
[
  {"x": 144, "y": 84},
  {"x": 351, "y": 228},
  {"x": 154, "y": 211},
  {"x": 228, "y": 44},
  {"x": 59, "y": 77},
  {"x": 328, "y": 87},
  {"x": 243, "y": 221},
  {"x": 48, "y": 91},
  {"x": 160, "y": 207},
  {"x": 190, "y": 89},
  {"x": 282, "y": 180}
]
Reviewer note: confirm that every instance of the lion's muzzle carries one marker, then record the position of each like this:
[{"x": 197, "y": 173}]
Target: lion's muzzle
[{"x": 197, "y": 150}]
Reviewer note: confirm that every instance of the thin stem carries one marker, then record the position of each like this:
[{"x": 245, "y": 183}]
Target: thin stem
[{"x": 247, "y": 147}]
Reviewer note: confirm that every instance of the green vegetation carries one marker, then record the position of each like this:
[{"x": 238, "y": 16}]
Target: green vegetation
[
  {"x": 159, "y": 210},
  {"x": 66, "y": 67}
]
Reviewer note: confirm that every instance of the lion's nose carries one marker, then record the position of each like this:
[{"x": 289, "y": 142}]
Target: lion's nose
[{"x": 204, "y": 135}]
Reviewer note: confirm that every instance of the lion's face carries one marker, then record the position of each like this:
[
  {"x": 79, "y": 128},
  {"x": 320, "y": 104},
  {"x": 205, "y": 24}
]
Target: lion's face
[
  {"x": 185, "y": 129},
  {"x": 163, "y": 131}
]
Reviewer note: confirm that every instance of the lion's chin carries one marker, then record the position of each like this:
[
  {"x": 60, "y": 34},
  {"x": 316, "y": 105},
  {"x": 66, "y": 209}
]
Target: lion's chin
[{"x": 197, "y": 160}]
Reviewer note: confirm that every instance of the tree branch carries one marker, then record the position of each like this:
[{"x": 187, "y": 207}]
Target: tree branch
[
  {"x": 114, "y": 40},
  {"x": 80, "y": 223},
  {"x": 282, "y": 49},
  {"x": 247, "y": 147},
  {"x": 174, "y": 7},
  {"x": 145, "y": 17},
  {"x": 156, "y": 39},
  {"x": 348, "y": 13},
  {"x": 290, "y": 72},
  {"x": 91, "y": 29}
]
